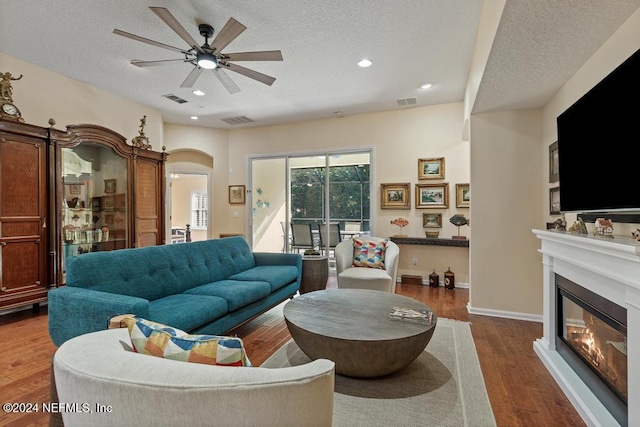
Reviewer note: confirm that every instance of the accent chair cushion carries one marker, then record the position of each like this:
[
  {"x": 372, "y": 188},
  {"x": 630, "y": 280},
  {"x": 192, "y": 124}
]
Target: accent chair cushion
[
  {"x": 159, "y": 340},
  {"x": 369, "y": 253}
]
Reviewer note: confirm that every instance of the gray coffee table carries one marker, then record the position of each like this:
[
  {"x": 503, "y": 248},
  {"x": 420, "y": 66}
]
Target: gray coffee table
[{"x": 352, "y": 327}]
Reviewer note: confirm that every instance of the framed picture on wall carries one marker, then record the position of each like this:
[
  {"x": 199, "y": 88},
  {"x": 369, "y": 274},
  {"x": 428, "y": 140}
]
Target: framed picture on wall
[
  {"x": 463, "y": 195},
  {"x": 395, "y": 196},
  {"x": 554, "y": 201},
  {"x": 431, "y": 168},
  {"x": 554, "y": 169},
  {"x": 109, "y": 186},
  {"x": 432, "y": 220},
  {"x": 432, "y": 196},
  {"x": 237, "y": 194}
]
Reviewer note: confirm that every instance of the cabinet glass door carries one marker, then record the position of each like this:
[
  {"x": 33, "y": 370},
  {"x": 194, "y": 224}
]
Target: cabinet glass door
[{"x": 94, "y": 200}]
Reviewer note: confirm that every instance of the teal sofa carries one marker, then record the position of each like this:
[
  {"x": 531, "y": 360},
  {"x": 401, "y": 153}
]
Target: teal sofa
[{"x": 207, "y": 287}]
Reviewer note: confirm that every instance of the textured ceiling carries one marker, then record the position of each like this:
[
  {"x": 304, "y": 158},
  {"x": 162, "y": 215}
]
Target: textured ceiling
[{"x": 539, "y": 45}]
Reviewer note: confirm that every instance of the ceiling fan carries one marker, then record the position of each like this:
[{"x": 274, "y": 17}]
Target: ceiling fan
[{"x": 208, "y": 56}]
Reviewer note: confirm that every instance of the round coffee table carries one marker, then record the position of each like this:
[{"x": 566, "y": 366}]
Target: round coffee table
[{"x": 353, "y": 328}]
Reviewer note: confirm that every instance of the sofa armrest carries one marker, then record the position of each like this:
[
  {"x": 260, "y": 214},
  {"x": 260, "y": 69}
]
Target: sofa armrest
[
  {"x": 77, "y": 311},
  {"x": 271, "y": 258}
]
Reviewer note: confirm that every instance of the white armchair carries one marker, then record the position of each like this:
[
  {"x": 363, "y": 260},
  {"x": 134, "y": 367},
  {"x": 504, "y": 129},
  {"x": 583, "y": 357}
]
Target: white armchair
[
  {"x": 363, "y": 277},
  {"x": 95, "y": 369}
]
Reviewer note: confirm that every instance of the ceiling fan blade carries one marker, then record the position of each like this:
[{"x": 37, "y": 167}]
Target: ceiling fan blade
[
  {"x": 171, "y": 21},
  {"x": 263, "y": 78},
  {"x": 148, "y": 41},
  {"x": 139, "y": 63},
  {"x": 192, "y": 77},
  {"x": 226, "y": 80},
  {"x": 229, "y": 32},
  {"x": 266, "y": 55}
]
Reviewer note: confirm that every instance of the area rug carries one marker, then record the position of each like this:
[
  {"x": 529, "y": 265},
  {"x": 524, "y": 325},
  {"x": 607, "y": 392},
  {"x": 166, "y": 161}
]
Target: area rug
[{"x": 442, "y": 387}]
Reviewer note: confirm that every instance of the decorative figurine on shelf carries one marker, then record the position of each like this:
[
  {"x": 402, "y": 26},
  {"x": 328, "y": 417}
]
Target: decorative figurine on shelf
[
  {"x": 559, "y": 224},
  {"x": 8, "y": 110},
  {"x": 434, "y": 279},
  {"x": 401, "y": 222},
  {"x": 604, "y": 227},
  {"x": 449, "y": 279},
  {"x": 636, "y": 234},
  {"x": 459, "y": 220},
  {"x": 105, "y": 233},
  {"x": 141, "y": 141},
  {"x": 578, "y": 227}
]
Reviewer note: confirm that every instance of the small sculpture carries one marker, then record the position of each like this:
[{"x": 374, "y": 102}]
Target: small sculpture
[
  {"x": 559, "y": 224},
  {"x": 459, "y": 220},
  {"x": 636, "y": 234},
  {"x": 604, "y": 227},
  {"x": 141, "y": 141},
  {"x": 6, "y": 92},
  {"x": 401, "y": 222},
  {"x": 578, "y": 227}
]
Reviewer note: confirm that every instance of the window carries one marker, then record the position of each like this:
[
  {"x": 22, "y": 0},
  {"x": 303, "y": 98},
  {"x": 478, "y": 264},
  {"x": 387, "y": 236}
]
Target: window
[
  {"x": 199, "y": 212},
  {"x": 348, "y": 194}
]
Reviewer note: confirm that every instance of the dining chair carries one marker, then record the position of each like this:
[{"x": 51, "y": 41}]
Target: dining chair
[
  {"x": 335, "y": 236},
  {"x": 302, "y": 237}
]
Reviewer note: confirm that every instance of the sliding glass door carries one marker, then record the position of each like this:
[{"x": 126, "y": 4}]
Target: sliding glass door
[{"x": 324, "y": 191}]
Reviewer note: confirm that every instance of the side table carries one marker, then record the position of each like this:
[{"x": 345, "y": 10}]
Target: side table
[{"x": 315, "y": 273}]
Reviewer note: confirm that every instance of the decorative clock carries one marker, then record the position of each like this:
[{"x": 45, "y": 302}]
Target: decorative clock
[{"x": 8, "y": 109}]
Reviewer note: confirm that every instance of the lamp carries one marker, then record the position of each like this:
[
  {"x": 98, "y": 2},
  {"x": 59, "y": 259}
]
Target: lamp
[{"x": 207, "y": 60}]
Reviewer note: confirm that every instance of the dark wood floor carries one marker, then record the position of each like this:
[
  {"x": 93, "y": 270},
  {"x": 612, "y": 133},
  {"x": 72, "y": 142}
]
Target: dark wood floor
[{"x": 521, "y": 391}]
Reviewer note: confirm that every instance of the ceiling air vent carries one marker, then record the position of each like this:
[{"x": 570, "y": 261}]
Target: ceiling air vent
[
  {"x": 175, "y": 98},
  {"x": 237, "y": 120},
  {"x": 406, "y": 101}
]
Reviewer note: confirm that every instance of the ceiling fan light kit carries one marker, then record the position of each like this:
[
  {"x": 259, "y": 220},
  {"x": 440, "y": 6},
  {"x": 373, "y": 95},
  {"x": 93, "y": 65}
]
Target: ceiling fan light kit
[
  {"x": 207, "y": 61},
  {"x": 209, "y": 56}
]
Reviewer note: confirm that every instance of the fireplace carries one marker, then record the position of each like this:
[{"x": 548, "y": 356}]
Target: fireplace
[
  {"x": 591, "y": 318},
  {"x": 592, "y": 338}
]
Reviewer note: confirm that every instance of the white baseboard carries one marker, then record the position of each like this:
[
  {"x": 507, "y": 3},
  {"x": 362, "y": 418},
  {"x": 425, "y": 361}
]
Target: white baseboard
[{"x": 504, "y": 314}]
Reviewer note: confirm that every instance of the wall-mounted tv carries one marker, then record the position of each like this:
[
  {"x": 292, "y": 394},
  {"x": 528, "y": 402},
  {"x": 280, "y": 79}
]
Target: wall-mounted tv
[{"x": 599, "y": 145}]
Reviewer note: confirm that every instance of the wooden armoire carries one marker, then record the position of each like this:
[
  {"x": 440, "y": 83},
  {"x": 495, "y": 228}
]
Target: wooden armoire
[{"x": 65, "y": 193}]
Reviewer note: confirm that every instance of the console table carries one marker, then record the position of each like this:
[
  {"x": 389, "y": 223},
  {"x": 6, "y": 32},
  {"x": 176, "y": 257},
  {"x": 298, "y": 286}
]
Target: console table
[{"x": 458, "y": 243}]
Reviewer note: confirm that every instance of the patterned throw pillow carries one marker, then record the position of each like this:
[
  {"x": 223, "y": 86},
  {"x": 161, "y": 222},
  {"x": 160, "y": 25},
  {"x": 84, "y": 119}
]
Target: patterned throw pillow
[
  {"x": 163, "y": 341},
  {"x": 369, "y": 253}
]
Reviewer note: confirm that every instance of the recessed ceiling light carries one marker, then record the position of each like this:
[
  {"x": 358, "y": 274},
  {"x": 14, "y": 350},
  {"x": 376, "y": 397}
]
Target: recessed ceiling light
[
  {"x": 425, "y": 85},
  {"x": 194, "y": 117},
  {"x": 365, "y": 63},
  {"x": 198, "y": 92}
]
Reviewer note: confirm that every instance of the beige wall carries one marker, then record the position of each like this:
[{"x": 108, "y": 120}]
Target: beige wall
[
  {"x": 399, "y": 139},
  {"x": 506, "y": 270},
  {"x": 42, "y": 94},
  {"x": 202, "y": 150},
  {"x": 507, "y": 165},
  {"x": 505, "y": 172}
]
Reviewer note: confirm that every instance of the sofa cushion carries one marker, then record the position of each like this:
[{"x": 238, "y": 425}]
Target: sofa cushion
[
  {"x": 238, "y": 293},
  {"x": 157, "y": 271},
  {"x": 277, "y": 275},
  {"x": 187, "y": 312},
  {"x": 369, "y": 253},
  {"x": 160, "y": 340}
]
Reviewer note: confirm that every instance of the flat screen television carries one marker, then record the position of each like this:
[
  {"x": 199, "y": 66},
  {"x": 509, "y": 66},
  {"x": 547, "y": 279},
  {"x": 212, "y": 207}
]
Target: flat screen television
[{"x": 599, "y": 145}]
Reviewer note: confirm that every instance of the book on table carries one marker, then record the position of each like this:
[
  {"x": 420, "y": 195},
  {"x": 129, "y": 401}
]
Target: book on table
[{"x": 406, "y": 314}]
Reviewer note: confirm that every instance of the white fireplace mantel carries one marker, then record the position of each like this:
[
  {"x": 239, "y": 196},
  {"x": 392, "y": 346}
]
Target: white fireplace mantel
[{"x": 609, "y": 267}]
